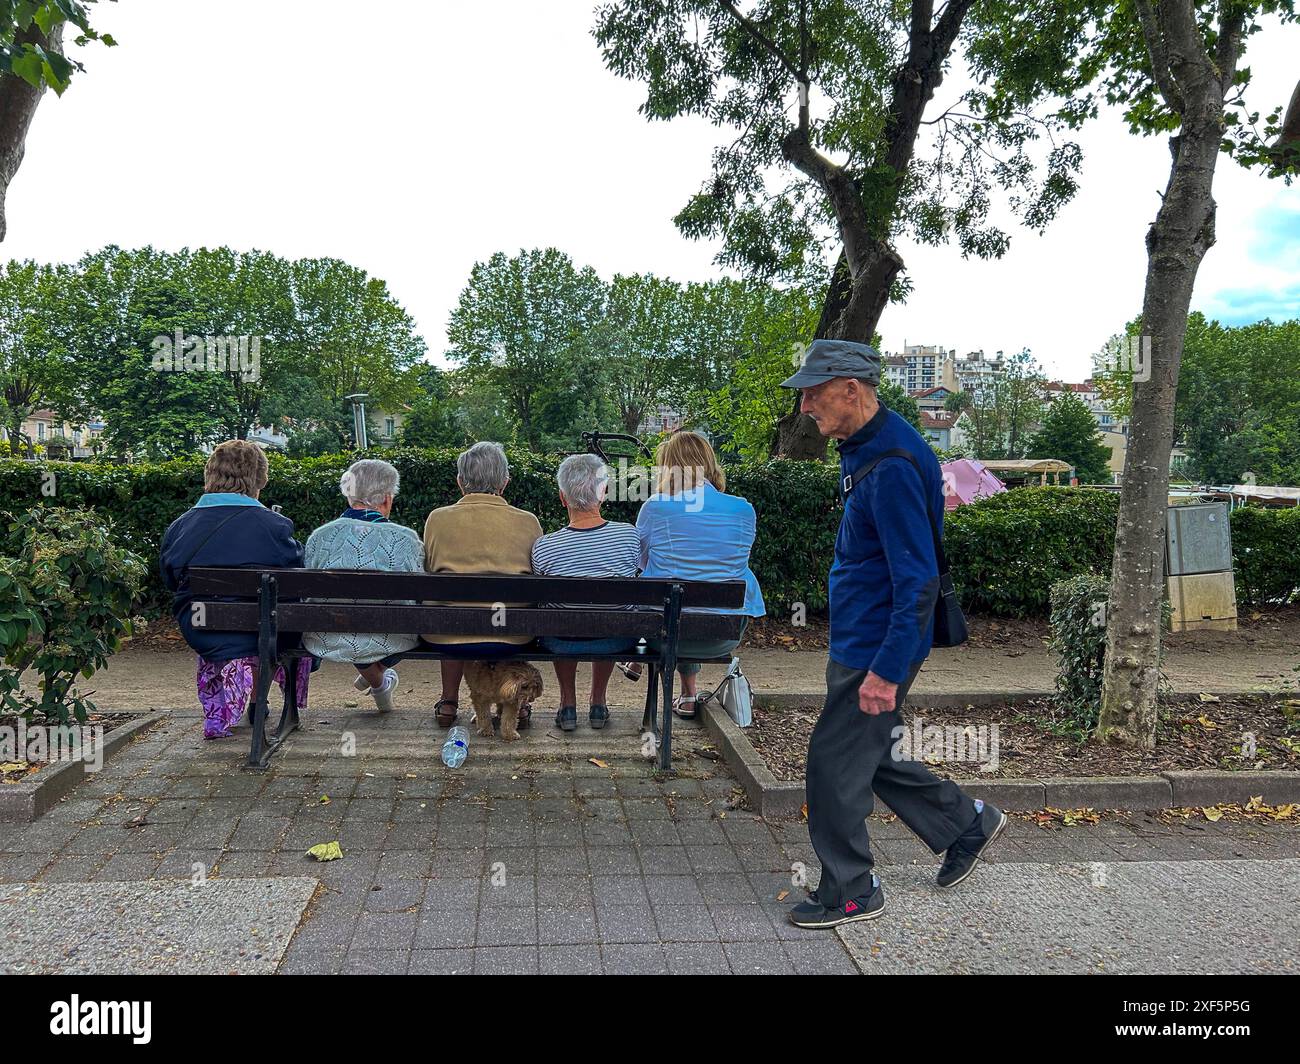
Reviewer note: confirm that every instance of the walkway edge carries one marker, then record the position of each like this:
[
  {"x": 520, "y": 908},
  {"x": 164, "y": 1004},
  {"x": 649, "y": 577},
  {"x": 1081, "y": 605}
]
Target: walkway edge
[
  {"x": 777, "y": 799},
  {"x": 22, "y": 803}
]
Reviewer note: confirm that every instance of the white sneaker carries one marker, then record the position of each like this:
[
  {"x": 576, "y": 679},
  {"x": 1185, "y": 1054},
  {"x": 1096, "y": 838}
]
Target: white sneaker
[{"x": 383, "y": 696}]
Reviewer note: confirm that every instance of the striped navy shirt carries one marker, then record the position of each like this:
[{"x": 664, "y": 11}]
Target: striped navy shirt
[{"x": 609, "y": 550}]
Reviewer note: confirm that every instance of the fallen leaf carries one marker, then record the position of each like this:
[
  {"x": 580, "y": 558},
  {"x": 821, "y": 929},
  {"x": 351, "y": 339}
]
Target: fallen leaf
[
  {"x": 1209, "y": 698},
  {"x": 783, "y": 895},
  {"x": 326, "y": 851},
  {"x": 598, "y": 762},
  {"x": 324, "y": 799},
  {"x": 1207, "y": 724},
  {"x": 1213, "y": 815}
]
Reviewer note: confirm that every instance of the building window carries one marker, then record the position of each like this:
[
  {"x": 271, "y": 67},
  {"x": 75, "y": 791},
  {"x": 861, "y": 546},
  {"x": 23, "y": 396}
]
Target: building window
[
  {"x": 40, "y": 430},
  {"x": 388, "y": 427}
]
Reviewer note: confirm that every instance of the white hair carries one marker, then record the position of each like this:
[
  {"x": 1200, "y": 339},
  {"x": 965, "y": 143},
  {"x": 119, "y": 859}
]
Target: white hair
[
  {"x": 582, "y": 478},
  {"x": 483, "y": 468},
  {"x": 367, "y": 482}
]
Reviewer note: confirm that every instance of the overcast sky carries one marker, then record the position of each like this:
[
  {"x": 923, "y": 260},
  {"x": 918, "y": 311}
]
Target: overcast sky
[{"x": 415, "y": 145}]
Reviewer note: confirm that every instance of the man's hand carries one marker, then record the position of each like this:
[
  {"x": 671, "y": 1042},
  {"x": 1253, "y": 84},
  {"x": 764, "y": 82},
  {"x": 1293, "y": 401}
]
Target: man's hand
[{"x": 876, "y": 695}]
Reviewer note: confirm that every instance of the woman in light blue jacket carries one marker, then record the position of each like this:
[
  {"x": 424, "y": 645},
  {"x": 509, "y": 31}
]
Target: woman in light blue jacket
[
  {"x": 693, "y": 530},
  {"x": 364, "y": 538}
]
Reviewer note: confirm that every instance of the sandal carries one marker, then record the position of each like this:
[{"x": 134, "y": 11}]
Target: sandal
[
  {"x": 597, "y": 715},
  {"x": 680, "y": 701},
  {"x": 446, "y": 717},
  {"x": 525, "y": 715}
]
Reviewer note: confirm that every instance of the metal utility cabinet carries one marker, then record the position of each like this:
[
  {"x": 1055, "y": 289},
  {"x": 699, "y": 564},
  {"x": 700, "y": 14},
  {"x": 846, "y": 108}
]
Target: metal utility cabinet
[{"x": 1198, "y": 566}]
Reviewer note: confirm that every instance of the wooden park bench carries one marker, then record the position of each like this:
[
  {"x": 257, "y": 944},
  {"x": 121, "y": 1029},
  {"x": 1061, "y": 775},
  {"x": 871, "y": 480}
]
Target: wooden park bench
[{"x": 275, "y": 602}]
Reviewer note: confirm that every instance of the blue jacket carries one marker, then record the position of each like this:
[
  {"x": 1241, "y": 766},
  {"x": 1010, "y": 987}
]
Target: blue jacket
[
  {"x": 702, "y": 534},
  {"x": 251, "y": 535},
  {"x": 884, "y": 580}
]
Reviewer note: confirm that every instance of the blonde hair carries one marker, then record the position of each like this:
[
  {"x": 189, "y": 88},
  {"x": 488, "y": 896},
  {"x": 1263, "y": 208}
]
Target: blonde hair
[
  {"x": 236, "y": 465},
  {"x": 682, "y": 460}
]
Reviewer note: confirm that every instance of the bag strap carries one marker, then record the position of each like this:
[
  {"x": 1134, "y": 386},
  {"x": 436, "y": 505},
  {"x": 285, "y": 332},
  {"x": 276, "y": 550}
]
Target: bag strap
[{"x": 850, "y": 481}]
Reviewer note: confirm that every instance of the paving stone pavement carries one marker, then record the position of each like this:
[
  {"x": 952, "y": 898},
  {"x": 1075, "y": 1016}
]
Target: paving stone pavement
[{"x": 532, "y": 858}]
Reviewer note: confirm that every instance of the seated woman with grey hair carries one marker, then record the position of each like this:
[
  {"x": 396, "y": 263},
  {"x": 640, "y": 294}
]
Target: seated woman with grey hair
[
  {"x": 593, "y": 547},
  {"x": 364, "y": 538},
  {"x": 479, "y": 533}
]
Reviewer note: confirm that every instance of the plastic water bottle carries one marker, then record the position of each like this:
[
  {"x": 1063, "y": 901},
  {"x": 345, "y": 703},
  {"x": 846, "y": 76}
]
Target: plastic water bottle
[{"x": 456, "y": 748}]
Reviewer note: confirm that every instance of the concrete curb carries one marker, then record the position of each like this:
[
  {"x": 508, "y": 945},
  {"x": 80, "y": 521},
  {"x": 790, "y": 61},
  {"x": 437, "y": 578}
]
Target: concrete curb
[
  {"x": 770, "y": 797},
  {"x": 22, "y": 803},
  {"x": 915, "y": 700}
]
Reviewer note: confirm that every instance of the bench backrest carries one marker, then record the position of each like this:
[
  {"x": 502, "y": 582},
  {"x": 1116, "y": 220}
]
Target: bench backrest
[
  {"x": 378, "y": 590},
  {"x": 462, "y": 587}
]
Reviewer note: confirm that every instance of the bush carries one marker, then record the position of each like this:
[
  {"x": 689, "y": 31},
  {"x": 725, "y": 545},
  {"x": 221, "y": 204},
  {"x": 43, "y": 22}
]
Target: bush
[
  {"x": 1008, "y": 550},
  {"x": 67, "y": 592},
  {"x": 1078, "y": 640},
  {"x": 1266, "y": 555}
]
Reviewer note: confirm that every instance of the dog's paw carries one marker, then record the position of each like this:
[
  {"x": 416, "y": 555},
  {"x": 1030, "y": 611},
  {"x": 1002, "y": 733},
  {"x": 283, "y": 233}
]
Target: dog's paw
[
  {"x": 509, "y": 734},
  {"x": 484, "y": 730}
]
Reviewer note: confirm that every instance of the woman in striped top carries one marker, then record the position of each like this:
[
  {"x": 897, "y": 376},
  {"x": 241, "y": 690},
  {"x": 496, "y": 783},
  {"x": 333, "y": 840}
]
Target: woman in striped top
[{"x": 587, "y": 546}]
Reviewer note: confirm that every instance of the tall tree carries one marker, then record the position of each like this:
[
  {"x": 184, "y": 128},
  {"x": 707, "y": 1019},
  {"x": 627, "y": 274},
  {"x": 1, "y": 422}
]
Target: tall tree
[
  {"x": 1184, "y": 81},
  {"x": 852, "y": 179},
  {"x": 31, "y": 60},
  {"x": 640, "y": 343},
  {"x": 521, "y": 325},
  {"x": 32, "y": 372},
  {"x": 1069, "y": 432},
  {"x": 1000, "y": 411},
  {"x": 1174, "y": 68},
  {"x": 1258, "y": 431}
]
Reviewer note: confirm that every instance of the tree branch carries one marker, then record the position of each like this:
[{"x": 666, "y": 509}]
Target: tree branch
[
  {"x": 1153, "y": 34},
  {"x": 1232, "y": 21},
  {"x": 760, "y": 37}
]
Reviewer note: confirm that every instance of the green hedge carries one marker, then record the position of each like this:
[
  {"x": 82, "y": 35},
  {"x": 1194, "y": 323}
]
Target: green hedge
[
  {"x": 1006, "y": 551},
  {"x": 1266, "y": 554}
]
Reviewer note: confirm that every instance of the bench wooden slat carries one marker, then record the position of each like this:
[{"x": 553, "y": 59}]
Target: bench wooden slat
[
  {"x": 465, "y": 587},
  {"x": 464, "y": 620}
]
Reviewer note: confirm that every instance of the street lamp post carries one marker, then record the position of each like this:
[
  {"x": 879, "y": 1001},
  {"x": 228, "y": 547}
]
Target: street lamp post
[{"x": 358, "y": 401}]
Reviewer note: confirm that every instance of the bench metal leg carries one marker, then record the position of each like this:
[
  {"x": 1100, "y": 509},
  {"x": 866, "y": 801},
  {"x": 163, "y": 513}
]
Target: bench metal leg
[
  {"x": 289, "y": 715},
  {"x": 648, "y": 718},
  {"x": 672, "y": 617},
  {"x": 260, "y": 751}
]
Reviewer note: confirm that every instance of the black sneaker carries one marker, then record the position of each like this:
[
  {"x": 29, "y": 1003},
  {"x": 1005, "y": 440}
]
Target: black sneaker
[
  {"x": 960, "y": 860},
  {"x": 812, "y": 913},
  {"x": 598, "y": 716},
  {"x": 567, "y": 718}
]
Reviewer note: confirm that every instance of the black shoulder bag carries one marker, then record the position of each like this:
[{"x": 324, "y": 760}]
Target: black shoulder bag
[{"x": 949, "y": 622}]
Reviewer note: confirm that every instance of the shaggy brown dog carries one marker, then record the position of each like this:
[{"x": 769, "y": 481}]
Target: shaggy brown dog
[{"x": 508, "y": 684}]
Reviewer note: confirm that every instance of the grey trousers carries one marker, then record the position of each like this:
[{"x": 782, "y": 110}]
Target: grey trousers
[{"x": 849, "y": 758}]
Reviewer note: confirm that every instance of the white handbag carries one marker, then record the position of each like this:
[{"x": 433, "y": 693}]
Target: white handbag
[{"x": 735, "y": 695}]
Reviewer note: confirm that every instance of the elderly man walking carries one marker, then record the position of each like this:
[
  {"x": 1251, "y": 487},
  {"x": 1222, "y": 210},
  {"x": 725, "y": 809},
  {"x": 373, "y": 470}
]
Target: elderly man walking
[{"x": 884, "y": 584}]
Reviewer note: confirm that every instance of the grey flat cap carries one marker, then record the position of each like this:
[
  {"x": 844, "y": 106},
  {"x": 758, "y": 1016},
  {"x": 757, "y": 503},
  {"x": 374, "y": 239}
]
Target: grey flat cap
[{"x": 827, "y": 359}]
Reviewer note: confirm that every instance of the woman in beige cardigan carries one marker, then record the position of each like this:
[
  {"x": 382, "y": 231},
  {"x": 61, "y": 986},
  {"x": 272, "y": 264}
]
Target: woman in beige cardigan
[{"x": 479, "y": 533}]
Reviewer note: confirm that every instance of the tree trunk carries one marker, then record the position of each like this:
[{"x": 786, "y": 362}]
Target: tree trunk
[
  {"x": 18, "y": 102},
  {"x": 1183, "y": 232},
  {"x": 797, "y": 435}
]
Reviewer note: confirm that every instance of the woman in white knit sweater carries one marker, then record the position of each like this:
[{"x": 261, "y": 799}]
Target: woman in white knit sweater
[{"x": 364, "y": 538}]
